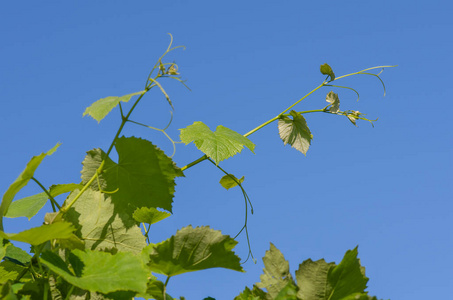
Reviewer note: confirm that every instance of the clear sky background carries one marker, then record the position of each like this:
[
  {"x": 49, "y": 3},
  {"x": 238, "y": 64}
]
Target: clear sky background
[{"x": 386, "y": 189}]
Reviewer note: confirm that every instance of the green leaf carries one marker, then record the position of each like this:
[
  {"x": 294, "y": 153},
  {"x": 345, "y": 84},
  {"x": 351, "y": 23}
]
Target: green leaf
[
  {"x": 327, "y": 70},
  {"x": 99, "y": 109},
  {"x": 155, "y": 290},
  {"x": 3, "y": 246},
  {"x": 30, "y": 206},
  {"x": 218, "y": 145},
  {"x": 289, "y": 292},
  {"x": 99, "y": 227},
  {"x": 27, "y": 207},
  {"x": 312, "y": 279},
  {"x": 333, "y": 99},
  {"x": 229, "y": 181},
  {"x": 248, "y": 294},
  {"x": 9, "y": 271},
  {"x": 348, "y": 277},
  {"x": 193, "y": 249},
  {"x": 22, "y": 181},
  {"x": 295, "y": 132},
  {"x": 359, "y": 296},
  {"x": 143, "y": 177},
  {"x": 325, "y": 281},
  {"x": 16, "y": 254},
  {"x": 149, "y": 215},
  {"x": 276, "y": 272},
  {"x": 41, "y": 234},
  {"x": 101, "y": 271}
]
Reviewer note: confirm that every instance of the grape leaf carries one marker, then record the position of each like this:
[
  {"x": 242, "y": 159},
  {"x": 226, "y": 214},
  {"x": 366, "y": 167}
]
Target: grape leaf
[
  {"x": 193, "y": 249},
  {"x": 99, "y": 227},
  {"x": 99, "y": 109},
  {"x": 218, "y": 145},
  {"x": 3, "y": 247},
  {"x": 327, "y": 70},
  {"x": 22, "y": 181},
  {"x": 228, "y": 182},
  {"x": 311, "y": 279},
  {"x": 149, "y": 215},
  {"x": 143, "y": 177},
  {"x": 17, "y": 255},
  {"x": 295, "y": 132},
  {"x": 333, "y": 99},
  {"x": 321, "y": 281},
  {"x": 41, "y": 234},
  {"x": 9, "y": 271},
  {"x": 100, "y": 271},
  {"x": 288, "y": 292},
  {"x": 276, "y": 273},
  {"x": 30, "y": 206},
  {"x": 254, "y": 294}
]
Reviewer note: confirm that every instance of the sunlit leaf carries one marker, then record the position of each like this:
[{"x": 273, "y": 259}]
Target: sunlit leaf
[
  {"x": 326, "y": 281},
  {"x": 17, "y": 255},
  {"x": 327, "y": 70},
  {"x": 218, "y": 145},
  {"x": 22, "y": 181},
  {"x": 143, "y": 177},
  {"x": 100, "y": 228},
  {"x": 254, "y": 294},
  {"x": 288, "y": 292},
  {"x": 9, "y": 271},
  {"x": 193, "y": 249},
  {"x": 41, "y": 234},
  {"x": 276, "y": 272},
  {"x": 295, "y": 132},
  {"x": 100, "y": 271},
  {"x": 312, "y": 279},
  {"x": 99, "y": 109},
  {"x": 230, "y": 181},
  {"x": 27, "y": 207},
  {"x": 149, "y": 215}
]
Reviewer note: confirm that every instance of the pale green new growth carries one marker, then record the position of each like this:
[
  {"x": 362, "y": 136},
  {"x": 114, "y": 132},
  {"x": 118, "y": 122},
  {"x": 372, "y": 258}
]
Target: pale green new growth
[
  {"x": 229, "y": 181},
  {"x": 218, "y": 145},
  {"x": 295, "y": 132},
  {"x": 99, "y": 109},
  {"x": 149, "y": 215},
  {"x": 334, "y": 101}
]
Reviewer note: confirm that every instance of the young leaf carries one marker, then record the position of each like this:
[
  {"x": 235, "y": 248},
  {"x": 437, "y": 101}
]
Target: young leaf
[
  {"x": 143, "y": 177},
  {"x": 228, "y": 182},
  {"x": 327, "y": 70},
  {"x": 100, "y": 227},
  {"x": 100, "y": 271},
  {"x": 295, "y": 132},
  {"x": 276, "y": 272},
  {"x": 149, "y": 215},
  {"x": 99, "y": 109},
  {"x": 193, "y": 249},
  {"x": 218, "y": 145},
  {"x": 22, "y": 181},
  {"x": 41, "y": 234},
  {"x": 333, "y": 99}
]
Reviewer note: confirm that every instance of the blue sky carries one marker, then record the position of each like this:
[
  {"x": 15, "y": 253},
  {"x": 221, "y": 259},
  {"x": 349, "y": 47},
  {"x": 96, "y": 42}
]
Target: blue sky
[{"x": 386, "y": 189}]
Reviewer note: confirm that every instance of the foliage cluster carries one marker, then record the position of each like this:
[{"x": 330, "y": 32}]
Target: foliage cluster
[{"x": 92, "y": 246}]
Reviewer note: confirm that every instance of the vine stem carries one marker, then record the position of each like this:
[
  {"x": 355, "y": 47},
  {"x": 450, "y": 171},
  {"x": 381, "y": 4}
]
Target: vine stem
[{"x": 52, "y": 200}]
